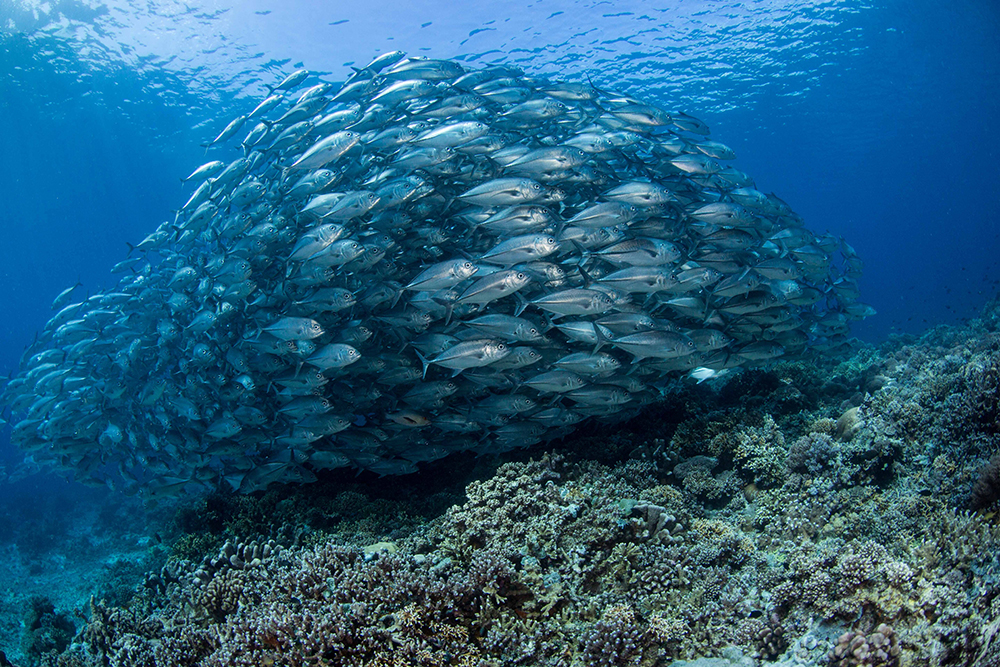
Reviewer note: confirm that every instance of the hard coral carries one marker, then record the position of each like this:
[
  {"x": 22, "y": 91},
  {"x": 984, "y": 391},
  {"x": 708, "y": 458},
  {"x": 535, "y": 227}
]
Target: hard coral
[
  {"x": 814, "y": 453},
  {"x": 46, "y": 632},
  {"x": 878, "y": 649},
  {"x": 759, "y": 452},
  {"x": 617, "y": 640},
  {"x": 770, "y": 640},
  {"x": 848, "y": 424},
  {"x": 981, "y": 398},
  {"x": 986, "y": 490},
  {"x": 327, "y": 603}
]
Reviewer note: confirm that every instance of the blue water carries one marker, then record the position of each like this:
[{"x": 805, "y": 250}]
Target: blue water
[
  {"x": 874, "y": 120},
  {"x": 877, "y": 121}
]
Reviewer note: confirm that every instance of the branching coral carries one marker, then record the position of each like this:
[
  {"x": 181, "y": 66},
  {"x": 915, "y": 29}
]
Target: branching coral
[{"x": 616, "y": 640}]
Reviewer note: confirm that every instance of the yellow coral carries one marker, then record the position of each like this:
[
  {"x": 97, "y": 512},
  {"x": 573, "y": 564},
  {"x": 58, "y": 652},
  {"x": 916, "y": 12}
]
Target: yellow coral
[
  {"x": 665, "y": 629},
  {"x": 712, "y": 528}
]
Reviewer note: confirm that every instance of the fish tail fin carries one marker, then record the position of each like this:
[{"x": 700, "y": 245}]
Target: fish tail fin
[
  {"x": 658, "y": 306},
  {"x": 602, "y": 340},
  {"x": 560, "y": 226},
  {"x": 233, "y": 479},
  {"x": 425, "y": 362},
  {"x": 585, "y": 253},
  {"x": 648, "y": 301},
  {"x": 130, "y": 248},
  {"x": 522, "y": 303}
]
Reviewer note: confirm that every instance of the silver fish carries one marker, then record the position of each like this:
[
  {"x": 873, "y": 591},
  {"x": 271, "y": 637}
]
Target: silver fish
[
  {"x": 327, "y": 150},
  {"x": 294, "y": 328},
  {"x": 504, "y": 192},
  {"x": 303, "y": 308},
  {"x": 471, "y": 354}
]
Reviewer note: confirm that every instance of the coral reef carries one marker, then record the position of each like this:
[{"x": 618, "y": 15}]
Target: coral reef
[
  {"x": 719, "y": 528},
  {"x": 46, "y": 632}
]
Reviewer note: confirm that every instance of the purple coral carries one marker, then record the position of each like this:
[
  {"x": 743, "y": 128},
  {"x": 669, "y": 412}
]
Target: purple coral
[
  {"x": 856, "y": 649},
  {"x": 616, "y": 640}
]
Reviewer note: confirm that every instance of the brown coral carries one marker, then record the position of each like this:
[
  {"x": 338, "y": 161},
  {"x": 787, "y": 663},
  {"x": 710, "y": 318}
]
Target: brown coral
[
  {"x": 878, "y": 649},
  {"x": 986, "y": 490}
]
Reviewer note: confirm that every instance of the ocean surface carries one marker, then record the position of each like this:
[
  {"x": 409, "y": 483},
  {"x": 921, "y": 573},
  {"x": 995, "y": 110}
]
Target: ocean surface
[{"x": 877, "y": 121}]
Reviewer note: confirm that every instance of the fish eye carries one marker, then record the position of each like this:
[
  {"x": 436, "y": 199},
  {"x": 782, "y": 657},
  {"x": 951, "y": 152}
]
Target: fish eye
[{"x": 520, "y": 275}]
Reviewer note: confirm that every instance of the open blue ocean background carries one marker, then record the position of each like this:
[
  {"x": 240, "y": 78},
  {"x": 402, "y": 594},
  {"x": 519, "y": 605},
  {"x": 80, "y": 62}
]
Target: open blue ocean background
[{"x": 877, "y": 120}]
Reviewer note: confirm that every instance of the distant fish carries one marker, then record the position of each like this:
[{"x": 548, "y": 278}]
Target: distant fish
[
  {"x": 290, "y": 81},
  {"x": 228, "y": 132},
  {"x": 701, "y": 373},
  {"x": 205, "y": 171},
  {"x": 63, "y": 297}
]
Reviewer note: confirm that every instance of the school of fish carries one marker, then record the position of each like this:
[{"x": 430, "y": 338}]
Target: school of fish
[{"x": 422, "y": 260}]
